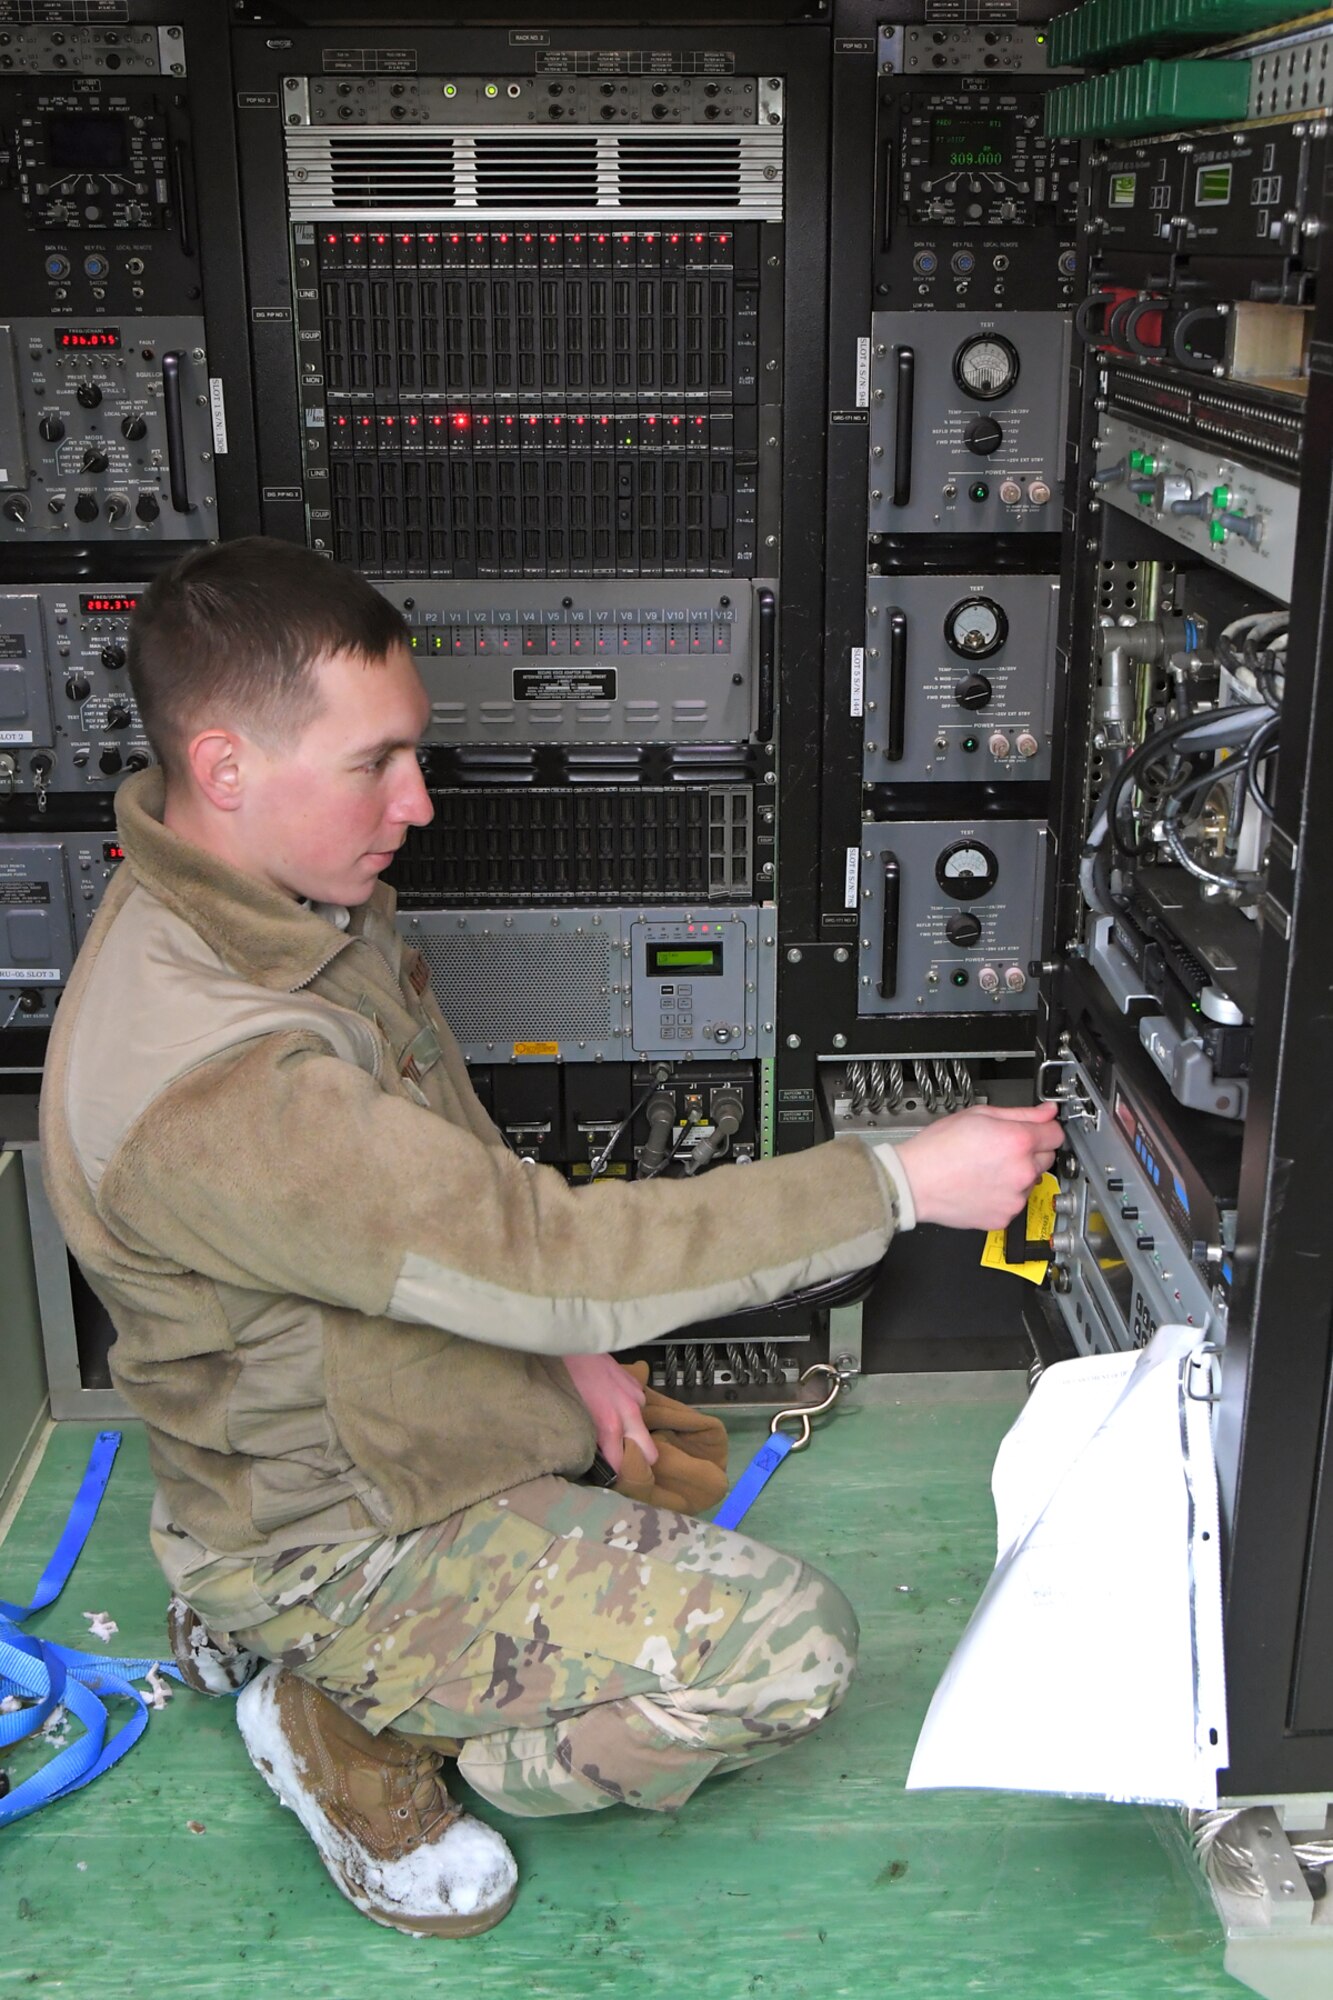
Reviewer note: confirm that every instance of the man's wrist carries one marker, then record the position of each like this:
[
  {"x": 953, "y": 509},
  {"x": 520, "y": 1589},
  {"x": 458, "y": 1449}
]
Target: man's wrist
[{"x": 895, "y": 1167}]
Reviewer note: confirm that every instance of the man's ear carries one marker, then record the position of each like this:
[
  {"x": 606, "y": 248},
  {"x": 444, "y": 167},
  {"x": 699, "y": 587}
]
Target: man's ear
[{"x": 216, "y": 760}]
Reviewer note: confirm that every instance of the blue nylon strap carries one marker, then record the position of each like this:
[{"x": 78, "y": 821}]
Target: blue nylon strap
[
  {"x": 75, "y": 1533},
  {"x": 48, "y": 1676},
  {"x": 753, "y": 1480}
]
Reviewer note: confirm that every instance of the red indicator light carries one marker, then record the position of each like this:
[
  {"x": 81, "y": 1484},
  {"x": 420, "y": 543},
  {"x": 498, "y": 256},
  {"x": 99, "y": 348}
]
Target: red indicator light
[
  {"x": 331, "y": 239},
  {"x": 381, "y": 239},
  {"x": 553, "y": 239},
  {"x": 528, "y": 237},
  {"x": 558, "y": 422},
  {"x": 455, "y": 239},
  {"x": 577, "y": 237},
  {"x": 698, "y": 239},
  {"x": 504, "y": 236},
  {"x": 460, "y": 421},
  {"x": 650, "y": 238},
  {"x": 509, "y": 422},
  {"x": 390, "y": 421},
  {"x": 675, "y": 423},
  {"x": 601, "y": 239},
  {"x": 357, "y": 237},
  {"x": 437, "y": 421},
  {"x": 580, "y": 421},
  {"x": 430, "y": 239},
  {"x": 652, "y": 420},
  {"x": 724, "y": 239}
]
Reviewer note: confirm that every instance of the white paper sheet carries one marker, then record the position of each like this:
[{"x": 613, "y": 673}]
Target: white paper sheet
[{"x": 1093, "y": 1663}]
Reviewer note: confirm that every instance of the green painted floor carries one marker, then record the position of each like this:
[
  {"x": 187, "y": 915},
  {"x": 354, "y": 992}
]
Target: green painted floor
[{"x": 812, "y": 1875}]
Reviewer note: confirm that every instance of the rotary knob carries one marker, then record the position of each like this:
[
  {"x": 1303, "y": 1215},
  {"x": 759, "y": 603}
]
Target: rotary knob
[
  {"x": 86, "y": 507},
  {"x": 974, "y": 692},
  {"x": 109, "y": 762},
  {"x": 118, "y": 715},
  {"x": 88, "y": 395},
  {"x": 78, "y": 687},
  {"x": 146, "y": 507},
  {"x": 113, "y": 656},
  {"x": 94, "y": 459},
  {"x": 133, "y": 428},
  {"x": 964, "y": 927},
  {"x": 984, "y": 436},
  {"x": 16, "y": 509},
  {"x": 52, "y": 429}
]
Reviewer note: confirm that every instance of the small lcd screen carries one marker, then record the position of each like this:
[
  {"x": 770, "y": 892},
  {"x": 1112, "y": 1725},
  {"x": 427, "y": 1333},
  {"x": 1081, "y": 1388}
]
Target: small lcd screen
[
  {"x": 90, "y": 142},
  {"x": 1212, "y": 187},
  {"x": 1122, "y": 190},
  {"x": 968, "y": 142},
  {"x": 112, "y": 851},
  {"x": 90, "y": 606},
  {"x": 702, "y": 960},
  {"x": 87, "y": 336}
]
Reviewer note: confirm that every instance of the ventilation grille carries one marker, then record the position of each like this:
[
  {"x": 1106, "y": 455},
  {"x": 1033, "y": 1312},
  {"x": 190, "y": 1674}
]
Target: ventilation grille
[
  {"x": 502, "y": 989},
  {"x": 378, "y": 171}
]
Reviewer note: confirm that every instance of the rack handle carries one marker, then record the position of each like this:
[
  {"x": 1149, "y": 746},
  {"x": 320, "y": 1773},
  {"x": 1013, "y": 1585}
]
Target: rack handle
[
  {"x": 903, "y": 410},
  {"x": 172, "y": 404},
  {"x": 888, "y": 957},
  {"x": 768, "y": 655},
  {"x": 893, "y": 742}
]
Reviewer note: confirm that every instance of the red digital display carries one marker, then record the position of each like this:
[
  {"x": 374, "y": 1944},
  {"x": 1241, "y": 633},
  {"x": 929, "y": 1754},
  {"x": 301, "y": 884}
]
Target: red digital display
[
  {"x": 87, "y": 336},
  {"x": 89, "y": 607},
  {"x": 112, "y": 851}
]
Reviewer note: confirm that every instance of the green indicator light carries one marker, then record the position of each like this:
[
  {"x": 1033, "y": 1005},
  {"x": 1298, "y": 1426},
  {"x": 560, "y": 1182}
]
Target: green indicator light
[
  {"x": 1136, "y": 461},
  {"x": 1144, "y": 499},
  {"x": 1221, "y": 496},
  {"x": 959, "y": 978},
  {"x": 971, "y": 743},
  {"x": 1217, "y": 532},
  {"x": 451, "y": 90},
  {"x": 1149, "y": 465},
  {"x": 978, "y": 490},
  {"x": 492, "y": 90}
]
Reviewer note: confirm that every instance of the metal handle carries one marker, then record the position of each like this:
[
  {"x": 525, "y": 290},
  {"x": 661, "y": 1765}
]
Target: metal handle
[
  {"x": 893, "y": 742},
  {"x": 1145, "y": 349},
  {"x": 888, "y": 955},
  {"x": 1202, "y": 364},
  {"x": 171, "y": 398},
  {"x": 1083, "y": 316},
  {"x": 904, "y": 405},
  {"x": 183, "y": 187},
  {"x": 768, "y": 652}
]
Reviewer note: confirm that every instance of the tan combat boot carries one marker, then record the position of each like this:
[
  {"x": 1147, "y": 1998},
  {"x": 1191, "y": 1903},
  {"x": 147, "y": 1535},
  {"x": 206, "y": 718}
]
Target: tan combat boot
[
  {"x": 209, "y": 1661},
  {"x": 376, "y": 1808}
]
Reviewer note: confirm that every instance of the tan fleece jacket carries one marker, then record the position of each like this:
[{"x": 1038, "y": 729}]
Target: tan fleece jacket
[{"x": 337, "y": 1294}]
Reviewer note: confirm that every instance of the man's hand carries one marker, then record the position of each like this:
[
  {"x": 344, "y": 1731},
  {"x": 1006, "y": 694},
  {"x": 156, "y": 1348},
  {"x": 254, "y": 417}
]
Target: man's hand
[
  {"x": 974, "y": 1169},
  {"x": 615, "y": 1404}
]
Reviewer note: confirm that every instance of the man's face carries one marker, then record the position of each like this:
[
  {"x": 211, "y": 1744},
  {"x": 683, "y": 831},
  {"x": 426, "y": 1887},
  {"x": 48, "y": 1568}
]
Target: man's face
[{"x": 324, "y": 816}]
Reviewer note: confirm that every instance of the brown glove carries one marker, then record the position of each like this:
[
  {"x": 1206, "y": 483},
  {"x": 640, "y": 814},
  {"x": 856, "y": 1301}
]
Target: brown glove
[{"x": 690, "y": 1475}]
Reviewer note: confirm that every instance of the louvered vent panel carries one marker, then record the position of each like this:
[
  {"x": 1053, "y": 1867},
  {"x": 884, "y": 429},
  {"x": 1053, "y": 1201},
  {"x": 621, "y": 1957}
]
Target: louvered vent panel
[{"x": 377, "y": 171}]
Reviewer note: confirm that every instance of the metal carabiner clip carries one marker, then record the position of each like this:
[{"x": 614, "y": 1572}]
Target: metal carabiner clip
[{"x": 805, "y": 1411}]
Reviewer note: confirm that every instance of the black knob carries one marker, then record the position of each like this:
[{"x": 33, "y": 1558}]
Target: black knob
[
  {"x": 94, "y": 459},
  {"x": 137, "y": 760},
  {"x": 51, "y": 429},
  {"x": 86, "y": 507},
  {"x": 1114, "y": 1183},
  {"x": 109, "y": 761},
  {"x": 133, "y": 428},
  {"x": 1144, "y": 1242},
  {"x": 118, "y": 716},
  {"x": 88, "y": 395},
  {"x": 78, "y": 687},
  {"x": 146, "y": 507},
  {"x": 113, "y": 657},
  {"x": 984, "y": 436},
  {"x": 16, "y": 508},
  {"x": 963, "y": 928},
  {"x": 974, "y": 692},
  {"x": 1129, "y": 1212}
]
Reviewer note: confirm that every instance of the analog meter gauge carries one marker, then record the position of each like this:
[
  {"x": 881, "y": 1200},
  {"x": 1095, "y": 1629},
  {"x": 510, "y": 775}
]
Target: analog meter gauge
[
  {"x": 976, "y": 628},
  {"x": 966, "y": 870},
  {"x": 986, "y": 366}
]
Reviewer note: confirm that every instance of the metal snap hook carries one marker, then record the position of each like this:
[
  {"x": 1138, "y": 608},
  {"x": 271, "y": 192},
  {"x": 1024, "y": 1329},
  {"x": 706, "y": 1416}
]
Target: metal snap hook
[{"x": 804, "y": 1411}]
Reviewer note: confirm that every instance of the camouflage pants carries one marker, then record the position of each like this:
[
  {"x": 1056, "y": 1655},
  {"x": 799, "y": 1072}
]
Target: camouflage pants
[{"x": 581, "y": 1650}]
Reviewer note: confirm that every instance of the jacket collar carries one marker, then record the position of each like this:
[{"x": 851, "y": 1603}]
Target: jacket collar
[{"x": 267, "y": 937}]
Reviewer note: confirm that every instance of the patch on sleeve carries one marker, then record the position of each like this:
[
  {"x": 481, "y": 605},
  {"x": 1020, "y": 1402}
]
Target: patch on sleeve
[{"x": 416, "y": 971}]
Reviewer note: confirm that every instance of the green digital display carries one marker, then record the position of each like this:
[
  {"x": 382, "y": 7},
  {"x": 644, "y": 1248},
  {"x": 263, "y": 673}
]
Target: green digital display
[
  {"x": 969, "y": 141},
  {"x": 703, "y": 959},
  {"x": 1212, "y": 187},
  {"x": 1122, "y": 190}
]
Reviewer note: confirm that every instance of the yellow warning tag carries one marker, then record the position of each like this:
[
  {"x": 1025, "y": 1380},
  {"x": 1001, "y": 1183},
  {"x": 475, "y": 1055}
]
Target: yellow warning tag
[
  {"x": 536, "y": 1048},
  {"x": 1040, "y": 1224}
]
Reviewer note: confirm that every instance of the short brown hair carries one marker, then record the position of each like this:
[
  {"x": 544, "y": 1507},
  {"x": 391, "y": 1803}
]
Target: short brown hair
[{"x": 232, "y": 631}]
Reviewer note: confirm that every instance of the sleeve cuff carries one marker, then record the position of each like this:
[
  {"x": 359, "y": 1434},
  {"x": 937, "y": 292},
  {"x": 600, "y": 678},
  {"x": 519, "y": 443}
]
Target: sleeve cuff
[{"x": 889, "y": 1159}]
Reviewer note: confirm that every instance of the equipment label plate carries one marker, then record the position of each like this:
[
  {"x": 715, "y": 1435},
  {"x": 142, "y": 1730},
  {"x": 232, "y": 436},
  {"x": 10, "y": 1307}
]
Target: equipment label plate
[{"x": 564, "y": 684}]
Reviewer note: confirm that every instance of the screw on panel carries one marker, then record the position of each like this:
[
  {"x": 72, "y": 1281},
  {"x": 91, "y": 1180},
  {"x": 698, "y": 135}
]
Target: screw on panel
[{"x": 793, "y": 1041}]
